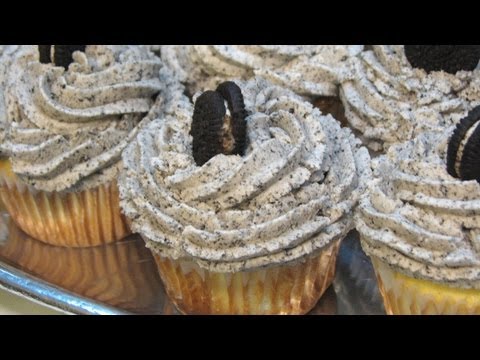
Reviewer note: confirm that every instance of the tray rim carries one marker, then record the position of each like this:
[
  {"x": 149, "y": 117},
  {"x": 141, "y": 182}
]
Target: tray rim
[{"x": 44, "y": 293}]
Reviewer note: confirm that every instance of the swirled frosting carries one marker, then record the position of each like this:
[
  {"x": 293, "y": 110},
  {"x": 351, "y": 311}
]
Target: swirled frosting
[
  {"x": 291, "y": 195},
  {"x": 309, "y": 70},
  {"x": 389, "y": 101},
  {"x": 6, "y": 56},
  {"x": 69, "y": 127},
  {"x": 420, "y": 220}
]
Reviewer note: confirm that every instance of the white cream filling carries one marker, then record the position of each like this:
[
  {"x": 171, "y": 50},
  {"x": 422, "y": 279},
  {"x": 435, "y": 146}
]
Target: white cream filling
[{"x": 461, "y": 147}]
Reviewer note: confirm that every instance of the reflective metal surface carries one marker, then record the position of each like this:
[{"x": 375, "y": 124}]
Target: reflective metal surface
[
  {"x": 355, "y": 281},
  {"x": 122, "y": 278}
]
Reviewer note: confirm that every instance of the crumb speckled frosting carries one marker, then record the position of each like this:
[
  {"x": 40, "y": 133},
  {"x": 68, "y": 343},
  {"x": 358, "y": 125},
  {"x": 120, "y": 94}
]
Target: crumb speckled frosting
[
  {"x": 69, "y": 128},
  {"x": 290, "y": 196},
  {"x": 309, "y": 70},
  {"x": 389, "y": 101},
  {"x": 419, "y": 219},
  {"x": 6, "y": 56}
]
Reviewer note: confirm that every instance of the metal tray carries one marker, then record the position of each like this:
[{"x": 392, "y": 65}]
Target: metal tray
[{"x": 122, "y": 278}]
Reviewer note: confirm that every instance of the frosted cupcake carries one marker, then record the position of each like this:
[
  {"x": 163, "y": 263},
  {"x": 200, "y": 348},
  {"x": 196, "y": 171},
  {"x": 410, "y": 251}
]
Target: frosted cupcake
[
  {"x": 244, "y": 198},
  {"x": 308, "y": 70},
  {"x": 71, "y": 111},
  {"x": 394, "y": 92},
  {"x": 420, "y": 222},
  {"x": 6, "y": 55}
]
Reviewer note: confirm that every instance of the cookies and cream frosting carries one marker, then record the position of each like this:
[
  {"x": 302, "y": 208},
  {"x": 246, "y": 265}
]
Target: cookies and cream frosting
[
  {"x": 6, "y": 56},
  {"x": 309, "y": 70},
  {"x": 389, "y": 101},
  {"x": 291, "y": 195},
  {"x": 419, "y": 219},
  {"x": 68, "y": 128}
]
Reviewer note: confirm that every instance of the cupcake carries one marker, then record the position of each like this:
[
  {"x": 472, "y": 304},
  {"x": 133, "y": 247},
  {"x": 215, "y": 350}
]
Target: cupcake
[
  {"x": 6, "y": 55},
  {"x": 392, "y": 93},
  {"x": 308, "y": 70},
  {"x": 122, "y": 275},
  {"x": 420, "y": 222},
  {"x": 243, "y": 198},
  {"x": 71, "y": 110}
]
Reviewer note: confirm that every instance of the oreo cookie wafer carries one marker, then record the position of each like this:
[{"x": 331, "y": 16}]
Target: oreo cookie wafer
[
  {"x": 218, "y": 125},
  {"x": 463, "y": 155},
  {"x": 448, "y": 58},
  {"x": 61, "y": 54}
]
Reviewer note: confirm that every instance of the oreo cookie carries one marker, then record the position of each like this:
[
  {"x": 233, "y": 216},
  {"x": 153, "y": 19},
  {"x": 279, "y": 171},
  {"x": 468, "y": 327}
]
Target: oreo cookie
[
  {"x": 449, "y": 58},
  {"x": 62, "y": 54},
  {"x": 44, "y": 52},
  {"x": 463, "y": 154},
  {"x": 216, "y": 130}
]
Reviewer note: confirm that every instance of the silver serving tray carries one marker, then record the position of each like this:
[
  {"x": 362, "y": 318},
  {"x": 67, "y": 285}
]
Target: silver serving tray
[{"x": 121, "y": 279}]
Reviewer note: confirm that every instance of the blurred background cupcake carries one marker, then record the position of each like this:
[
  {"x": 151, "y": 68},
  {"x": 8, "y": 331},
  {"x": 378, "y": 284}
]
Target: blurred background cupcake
[
  {"x": 392, "y": 93},
  {"x": 308, "y": 70},
  {"x": 244, "y": 198},
  {"x": 123, "y": 274},
  {"x": 71, "y": 110},
  {"x": 420, "y": 222}
]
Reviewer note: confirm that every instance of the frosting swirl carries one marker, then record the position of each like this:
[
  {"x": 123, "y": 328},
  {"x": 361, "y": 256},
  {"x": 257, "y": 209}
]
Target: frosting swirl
[
  {"x": 6, "y": 55},
  {"x": 290, "y": 196},
  {"x": 69, "y": 128},
  {"x": 418, "y": 218},
  {"x": 309, "y": 70},
  {"x": 389, "y": 101}
]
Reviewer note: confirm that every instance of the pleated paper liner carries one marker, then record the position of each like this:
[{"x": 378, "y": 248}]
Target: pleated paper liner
[
  {"x": 2, "y": 162},
  {"x": 404, "y": 295},
  {"x": 87, "y": 218},
  {"x": 285, "y": 289},
  {"x": 122, "y": 274}
]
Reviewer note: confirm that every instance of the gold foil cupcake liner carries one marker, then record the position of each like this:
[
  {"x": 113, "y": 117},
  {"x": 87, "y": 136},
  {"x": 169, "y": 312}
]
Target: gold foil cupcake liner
[
  {"x": 404, "y": 295},
  {"x": 88, "y": 218},
  {"x": 122, "y": 274},
  {"x": 285, "y": 289}
]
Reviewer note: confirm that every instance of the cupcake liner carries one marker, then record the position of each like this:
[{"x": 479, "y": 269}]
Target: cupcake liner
[
  {"x": 88, "y": 218},
  {"x": 404, "y": 295},
  {"x": 3, "y": 168},
  {"x": 122, "y": 274},
  {"x": 286, "y": 289},
  {"x": 327, "y": 305}
]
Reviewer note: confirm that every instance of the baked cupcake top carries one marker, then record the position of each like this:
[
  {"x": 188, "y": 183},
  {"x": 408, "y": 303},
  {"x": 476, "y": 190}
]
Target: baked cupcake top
[
  {"x": 394, "y": 92},
  {"x": 289, "y": 195},
  {"x": 418, "y": 218},
  {"x": 309, "y": 70},
  {"x": 70, "y": 122}
]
